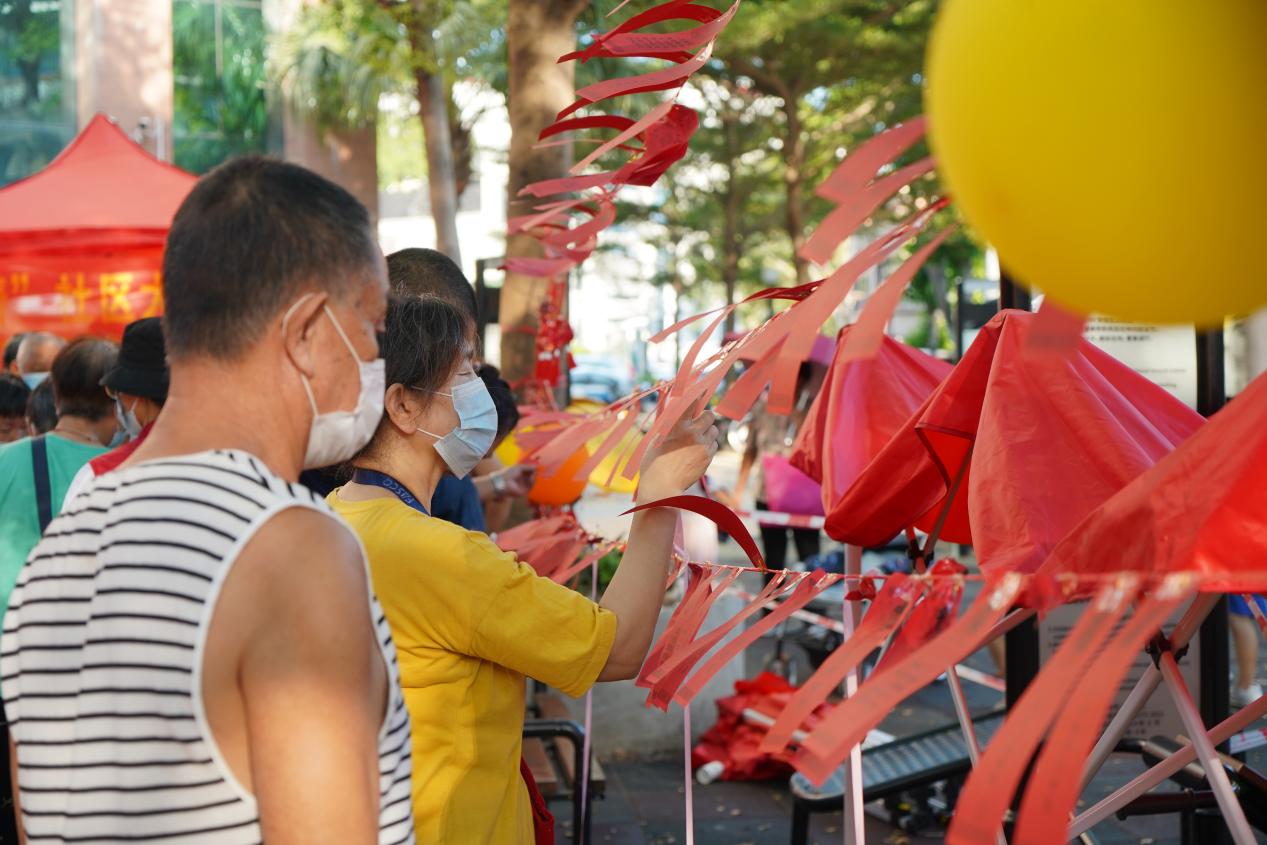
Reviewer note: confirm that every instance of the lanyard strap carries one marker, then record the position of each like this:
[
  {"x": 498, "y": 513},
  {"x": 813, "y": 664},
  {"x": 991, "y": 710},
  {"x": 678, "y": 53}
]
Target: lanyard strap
[
  {"x": 43, "y": 485},
  {"x": 381, "y": 479}
]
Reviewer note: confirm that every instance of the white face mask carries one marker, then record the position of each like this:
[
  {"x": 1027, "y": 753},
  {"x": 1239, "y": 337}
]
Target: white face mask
[
  {"x": 129, "y": 425},
  {"x": 337, "y": 436},
  {"x": 468, "y": 443}
]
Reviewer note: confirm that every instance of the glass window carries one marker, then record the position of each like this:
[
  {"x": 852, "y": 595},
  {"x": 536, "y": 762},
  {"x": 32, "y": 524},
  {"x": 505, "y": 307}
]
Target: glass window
[
  {"x": 37, "y": 95},
  {"x": 221, "y": 105}
]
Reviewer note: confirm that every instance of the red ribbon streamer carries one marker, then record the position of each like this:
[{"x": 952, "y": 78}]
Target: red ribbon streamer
[
  {"x": 887, "y": 612},
  {"x": 848, "y": 724},
  {"x": 1053, "y": 787},
  {"x": 725, "y": 519}
]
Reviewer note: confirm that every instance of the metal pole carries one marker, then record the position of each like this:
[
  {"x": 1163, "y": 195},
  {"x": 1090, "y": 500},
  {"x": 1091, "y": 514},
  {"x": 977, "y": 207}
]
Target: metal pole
[
  {"x": 1159, "y": 773},
  {"x": 1144, "y": 687},
  {"x": 1215, "y": 773},
  {"x": 1011, "y": 294},
  {"x": 854, "y": 823},
  {"x": 959, "y": 319},
  {"x": 1022, "y": 640},
  {"x": 1214, "y": 659}
]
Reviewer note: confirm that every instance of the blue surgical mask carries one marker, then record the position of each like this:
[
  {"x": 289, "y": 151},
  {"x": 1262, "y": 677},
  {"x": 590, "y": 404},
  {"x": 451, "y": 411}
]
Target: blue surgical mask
[
  {"x": 129, "y": 425},
  {"x": 33, "y": 380},
  {"x": 467, "y": 444}
]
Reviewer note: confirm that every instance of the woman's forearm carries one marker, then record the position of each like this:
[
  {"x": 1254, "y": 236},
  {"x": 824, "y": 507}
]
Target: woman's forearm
[{"x": 636, "y": 592}]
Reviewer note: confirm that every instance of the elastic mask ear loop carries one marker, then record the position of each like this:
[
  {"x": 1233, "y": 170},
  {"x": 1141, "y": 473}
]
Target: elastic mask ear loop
[
  {"x": 303, "y": 379},
  {"x": 423, "y": 430},
  {"x": 338, "y": 328}
]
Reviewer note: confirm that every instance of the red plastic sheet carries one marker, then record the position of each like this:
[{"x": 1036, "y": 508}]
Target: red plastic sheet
[
  {"x": 1048, "y": 440},
  {"x": 779, "y": 346},
  {"x": 734, "y": 742},
  {"x": 1200, "y": 509},
  {"x": 861, "y": 405}
]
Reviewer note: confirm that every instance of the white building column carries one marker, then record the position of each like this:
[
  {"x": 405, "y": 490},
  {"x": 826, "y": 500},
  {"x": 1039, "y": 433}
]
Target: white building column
[{"x": 123, "y": 67}]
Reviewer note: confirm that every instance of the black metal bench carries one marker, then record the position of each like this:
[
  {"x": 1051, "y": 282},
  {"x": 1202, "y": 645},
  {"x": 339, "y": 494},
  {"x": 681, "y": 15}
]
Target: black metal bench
[
  {"x": 890, "y": 769},
  {"x": 553, "y": 749}
]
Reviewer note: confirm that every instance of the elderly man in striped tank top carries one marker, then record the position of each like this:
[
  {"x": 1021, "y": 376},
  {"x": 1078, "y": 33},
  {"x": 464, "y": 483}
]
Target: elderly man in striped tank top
[{"x": 193, "y": 653}]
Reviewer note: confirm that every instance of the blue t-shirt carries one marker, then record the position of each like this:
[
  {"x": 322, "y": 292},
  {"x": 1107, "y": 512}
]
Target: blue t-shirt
[{"x": 456, "y": 500}]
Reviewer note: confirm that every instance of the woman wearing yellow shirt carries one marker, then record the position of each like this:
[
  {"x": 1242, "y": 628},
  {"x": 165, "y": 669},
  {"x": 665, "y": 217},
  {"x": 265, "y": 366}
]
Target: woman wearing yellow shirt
[{"x": 470, "y": 622}]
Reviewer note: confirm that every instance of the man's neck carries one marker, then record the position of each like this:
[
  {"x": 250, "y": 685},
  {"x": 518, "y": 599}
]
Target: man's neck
[{"x": 214, "y": 405}]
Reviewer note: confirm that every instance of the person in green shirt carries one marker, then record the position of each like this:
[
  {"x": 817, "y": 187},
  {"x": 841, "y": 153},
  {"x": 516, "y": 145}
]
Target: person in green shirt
[{"x": 85, "y": 427}]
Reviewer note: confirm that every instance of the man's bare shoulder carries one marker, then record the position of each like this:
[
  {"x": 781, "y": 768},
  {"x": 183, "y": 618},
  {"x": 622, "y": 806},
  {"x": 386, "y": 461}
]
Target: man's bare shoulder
[{"x": 303, "y": 567}]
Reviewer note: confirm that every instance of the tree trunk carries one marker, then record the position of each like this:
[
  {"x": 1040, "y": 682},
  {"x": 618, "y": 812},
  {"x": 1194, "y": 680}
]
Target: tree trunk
[
  {"x": 433, "y": 108},
  {"x": 794, "y": 177},
  {"x": 678, "y": 290},
  {"x": 537, "y": 33},
  {"x": 460, "y": 136}
]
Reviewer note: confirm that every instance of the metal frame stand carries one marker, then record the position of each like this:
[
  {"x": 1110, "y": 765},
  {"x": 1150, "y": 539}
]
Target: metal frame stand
[
  {"x": 1215, "y": 774},
  {"x": 854, "y": 824},
  {"x": 1165, "y": 769}
]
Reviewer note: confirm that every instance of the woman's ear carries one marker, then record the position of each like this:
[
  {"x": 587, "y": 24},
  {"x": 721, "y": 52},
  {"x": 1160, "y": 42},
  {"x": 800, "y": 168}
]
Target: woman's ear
[{"x": 403, "y": 408}]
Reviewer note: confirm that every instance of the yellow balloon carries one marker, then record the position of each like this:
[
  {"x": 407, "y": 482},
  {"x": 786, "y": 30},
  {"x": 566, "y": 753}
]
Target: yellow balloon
[
  {"x": 604, "y": 470},
  {"x": 509, "y": 454},
  {"x": 1111, "y": 151}
]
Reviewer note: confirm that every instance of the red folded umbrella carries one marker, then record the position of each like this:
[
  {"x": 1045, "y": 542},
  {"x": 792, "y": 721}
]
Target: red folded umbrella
[
  {"x": 1200, "y": 509},
  {"x": 862, "y": 403},
  {"x": 1037, "y": 441}
]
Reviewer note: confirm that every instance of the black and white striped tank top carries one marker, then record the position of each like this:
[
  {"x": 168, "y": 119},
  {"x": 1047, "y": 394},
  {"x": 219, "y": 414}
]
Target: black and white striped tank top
[{"x": 101, "y": 660}]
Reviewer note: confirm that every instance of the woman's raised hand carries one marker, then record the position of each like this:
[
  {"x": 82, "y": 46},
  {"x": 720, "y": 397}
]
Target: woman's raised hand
[{"x": 679, "y": 459}]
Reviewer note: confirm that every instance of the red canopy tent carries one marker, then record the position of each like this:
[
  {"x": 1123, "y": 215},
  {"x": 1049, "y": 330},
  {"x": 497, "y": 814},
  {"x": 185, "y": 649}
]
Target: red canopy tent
[
  {"x": 861, "y": 405},
  {"x": 1036, "y": 443},
  {"x": 81, "y": 241}
]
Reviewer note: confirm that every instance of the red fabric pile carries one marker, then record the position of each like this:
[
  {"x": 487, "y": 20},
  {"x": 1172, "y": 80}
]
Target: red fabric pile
[{"x": 733, "y": 742}]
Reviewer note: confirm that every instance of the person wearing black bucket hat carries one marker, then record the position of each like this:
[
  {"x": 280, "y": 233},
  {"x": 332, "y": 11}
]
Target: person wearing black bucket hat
[
  {"x": 138, "y": 382},
  {"x": 138, "y": 385}
]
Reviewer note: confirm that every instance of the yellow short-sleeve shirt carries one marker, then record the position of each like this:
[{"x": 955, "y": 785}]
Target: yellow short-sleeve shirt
[{"x": 470, "y": 622}]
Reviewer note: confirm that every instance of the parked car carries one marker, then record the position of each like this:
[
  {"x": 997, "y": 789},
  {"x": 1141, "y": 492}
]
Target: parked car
[{"x": 594, "y": 385}]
